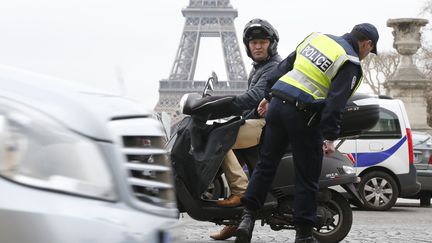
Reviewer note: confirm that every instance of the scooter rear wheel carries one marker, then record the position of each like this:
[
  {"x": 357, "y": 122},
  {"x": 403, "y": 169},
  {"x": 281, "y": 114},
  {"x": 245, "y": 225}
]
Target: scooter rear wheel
[
  {"x": 215, "y": 190},
  {"x": 337, "y": 219}
]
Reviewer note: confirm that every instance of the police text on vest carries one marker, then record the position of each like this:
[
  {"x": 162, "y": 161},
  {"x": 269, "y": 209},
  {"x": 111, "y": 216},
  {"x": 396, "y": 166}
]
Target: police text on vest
[{"x": 316, "y": 57}]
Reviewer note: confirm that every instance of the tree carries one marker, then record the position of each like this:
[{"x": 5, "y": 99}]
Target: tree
[
  {"x": 427, "y": 8},
  {"x": 378, "y": 69},
  {"x": 425, "y": 53},
  {"x": 426, "y": 57},
  {"x": 424, "y": 61}
]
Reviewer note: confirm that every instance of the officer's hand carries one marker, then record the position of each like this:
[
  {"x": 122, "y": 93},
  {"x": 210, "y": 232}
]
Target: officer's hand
[
  {"x": 328, "y": 147},
  {"x": 262, "y": 107}
]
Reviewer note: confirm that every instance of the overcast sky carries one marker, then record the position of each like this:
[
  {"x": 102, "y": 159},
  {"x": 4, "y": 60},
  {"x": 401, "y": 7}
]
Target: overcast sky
[{"x": 93, "y": 41}]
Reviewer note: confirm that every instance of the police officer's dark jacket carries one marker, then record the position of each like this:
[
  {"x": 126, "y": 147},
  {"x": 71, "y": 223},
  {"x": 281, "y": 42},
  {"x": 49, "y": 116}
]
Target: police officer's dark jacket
[
  {"x": 343, "y": 84},
  {"x": 257, "y": 86}
]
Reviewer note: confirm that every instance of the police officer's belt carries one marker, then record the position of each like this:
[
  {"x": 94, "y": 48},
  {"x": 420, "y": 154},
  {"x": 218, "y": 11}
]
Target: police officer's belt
[{"x": 306, "y": 107}]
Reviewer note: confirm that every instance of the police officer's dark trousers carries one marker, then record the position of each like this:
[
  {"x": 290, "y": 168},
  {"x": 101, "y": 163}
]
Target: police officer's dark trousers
[{"x": 285, "y": 124}]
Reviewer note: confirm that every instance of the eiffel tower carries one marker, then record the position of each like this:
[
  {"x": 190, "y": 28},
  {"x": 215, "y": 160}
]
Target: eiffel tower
[{"x": 204, "y": 18}]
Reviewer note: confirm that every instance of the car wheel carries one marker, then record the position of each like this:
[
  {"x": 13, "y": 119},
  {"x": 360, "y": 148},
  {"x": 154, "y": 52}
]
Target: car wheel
[{"x": 378, "y": 191}]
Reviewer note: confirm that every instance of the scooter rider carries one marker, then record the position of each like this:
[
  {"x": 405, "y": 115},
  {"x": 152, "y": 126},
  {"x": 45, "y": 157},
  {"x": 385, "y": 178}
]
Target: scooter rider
[
  {"x": 260, "y": 40},
  {"x": 318, "y": 78}
]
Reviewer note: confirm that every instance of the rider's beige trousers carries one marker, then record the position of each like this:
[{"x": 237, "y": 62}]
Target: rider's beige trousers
[{"x": 248, "y": 136}]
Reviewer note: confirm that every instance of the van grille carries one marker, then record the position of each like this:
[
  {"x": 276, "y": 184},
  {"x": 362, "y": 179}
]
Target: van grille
[{"x": 147, "y": 163}]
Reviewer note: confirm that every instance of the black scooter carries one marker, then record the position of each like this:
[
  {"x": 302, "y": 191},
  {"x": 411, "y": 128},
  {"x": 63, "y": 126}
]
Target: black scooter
[{"x": 198, "y": 147}]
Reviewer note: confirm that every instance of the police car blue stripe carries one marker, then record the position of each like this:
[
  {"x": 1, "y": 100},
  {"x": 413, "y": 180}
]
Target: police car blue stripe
[{"x": 369, "y": 159}]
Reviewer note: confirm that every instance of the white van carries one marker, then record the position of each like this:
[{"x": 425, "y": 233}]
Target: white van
[
  {"x": 79, "y": 166},
  {"x": 383, "y": 158}
]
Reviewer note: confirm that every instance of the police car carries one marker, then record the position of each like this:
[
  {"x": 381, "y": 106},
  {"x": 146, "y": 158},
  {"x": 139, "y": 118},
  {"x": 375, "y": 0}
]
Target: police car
[{"x": 383, "y": 158}]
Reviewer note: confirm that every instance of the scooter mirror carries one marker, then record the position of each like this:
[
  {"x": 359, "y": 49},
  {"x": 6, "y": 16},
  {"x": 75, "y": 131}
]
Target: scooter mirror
[
  {"x": 209, "y": 86},
  {"x": 215, "y": 77}
]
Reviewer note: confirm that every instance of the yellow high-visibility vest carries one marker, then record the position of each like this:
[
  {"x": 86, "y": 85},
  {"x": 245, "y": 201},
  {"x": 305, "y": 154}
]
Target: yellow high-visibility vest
[{"x": 318, "y": 59}]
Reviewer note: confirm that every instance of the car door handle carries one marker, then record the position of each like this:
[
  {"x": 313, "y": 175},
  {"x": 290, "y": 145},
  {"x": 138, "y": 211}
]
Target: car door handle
[{"x": 376, "y": 147}]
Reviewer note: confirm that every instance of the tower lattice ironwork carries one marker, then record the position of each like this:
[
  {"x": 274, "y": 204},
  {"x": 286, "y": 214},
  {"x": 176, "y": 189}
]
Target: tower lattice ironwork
[{"x": 204, "y": 18}]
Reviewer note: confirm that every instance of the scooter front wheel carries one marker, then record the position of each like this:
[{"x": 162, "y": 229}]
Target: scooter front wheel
[{"x": 335, "y": 219}]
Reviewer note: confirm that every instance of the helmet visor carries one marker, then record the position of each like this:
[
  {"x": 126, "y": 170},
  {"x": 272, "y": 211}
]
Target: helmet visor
[{"x": 257, "y": 32}]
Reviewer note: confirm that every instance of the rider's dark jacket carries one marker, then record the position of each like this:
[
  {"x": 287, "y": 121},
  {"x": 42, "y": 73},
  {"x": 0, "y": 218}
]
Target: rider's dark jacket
[{"x": 257, "y": 86}]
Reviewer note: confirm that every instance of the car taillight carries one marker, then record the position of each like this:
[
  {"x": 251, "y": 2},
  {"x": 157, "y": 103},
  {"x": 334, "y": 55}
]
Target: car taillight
[
  {"x": 410, "y": 146},
  {"x": 351, "y": 157},
  {"x": 430, "y": 159}
]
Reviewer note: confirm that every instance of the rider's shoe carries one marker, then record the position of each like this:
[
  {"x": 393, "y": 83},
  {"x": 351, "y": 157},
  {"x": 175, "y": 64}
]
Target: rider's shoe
[
  {"x": 231, "y": 201},
  {"x": 225, "y": 233},
  {"x": 245, "y": 229},
  {"x": 304, "y": 234}
]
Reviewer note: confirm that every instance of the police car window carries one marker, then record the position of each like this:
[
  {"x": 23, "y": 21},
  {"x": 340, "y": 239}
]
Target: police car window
[{"x": 387, "y": 126}]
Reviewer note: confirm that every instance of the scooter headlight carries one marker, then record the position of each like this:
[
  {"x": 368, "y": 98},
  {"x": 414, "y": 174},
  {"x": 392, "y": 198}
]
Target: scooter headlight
[
  {"x": 182, "y": 102},
  {"x": 187, "y": 102},
  {"x": 349, "y": 169},
  {"x": 37, "y": 150}
]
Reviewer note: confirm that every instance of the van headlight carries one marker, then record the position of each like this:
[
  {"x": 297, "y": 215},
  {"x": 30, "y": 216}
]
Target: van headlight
[{"x": 38, "y": 151}]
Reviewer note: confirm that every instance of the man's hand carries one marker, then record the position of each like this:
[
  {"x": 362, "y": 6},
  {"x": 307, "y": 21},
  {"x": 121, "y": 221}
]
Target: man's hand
[
  {"x": 328, "y": 147},
  {"x": 262, "y": 107}
]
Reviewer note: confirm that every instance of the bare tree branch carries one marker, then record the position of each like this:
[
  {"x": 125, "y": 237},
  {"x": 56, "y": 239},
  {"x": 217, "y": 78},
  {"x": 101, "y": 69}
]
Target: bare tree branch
[
  {"x": 424, "y": 58},
  {"x": 378, "y": 69},
  {"x": 427, "y": 8},
  {"x": 424, "y": 61}
]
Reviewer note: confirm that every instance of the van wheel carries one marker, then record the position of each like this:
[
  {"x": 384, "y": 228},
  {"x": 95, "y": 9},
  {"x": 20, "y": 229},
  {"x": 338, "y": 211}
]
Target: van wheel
[{"x": 378, "y": 190}]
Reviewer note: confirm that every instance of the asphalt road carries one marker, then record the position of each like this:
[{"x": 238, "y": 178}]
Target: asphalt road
[{"x": 406, "y": 222}]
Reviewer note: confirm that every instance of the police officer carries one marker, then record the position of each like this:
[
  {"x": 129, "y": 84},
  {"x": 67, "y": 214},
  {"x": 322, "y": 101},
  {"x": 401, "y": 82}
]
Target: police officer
[
  {"x": 313, "y": 86},
  {"x": 260, "y": 39}
]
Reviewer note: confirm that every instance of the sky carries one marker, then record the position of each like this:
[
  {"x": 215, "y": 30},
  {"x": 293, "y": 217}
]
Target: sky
[{"x": 127, "y": 46}]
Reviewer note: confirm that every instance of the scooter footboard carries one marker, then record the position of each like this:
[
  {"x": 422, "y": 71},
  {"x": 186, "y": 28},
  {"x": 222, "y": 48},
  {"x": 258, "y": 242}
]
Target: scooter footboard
[
  {"x": 203, "y": 210},
  {"x": 353, "y": 193}
]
